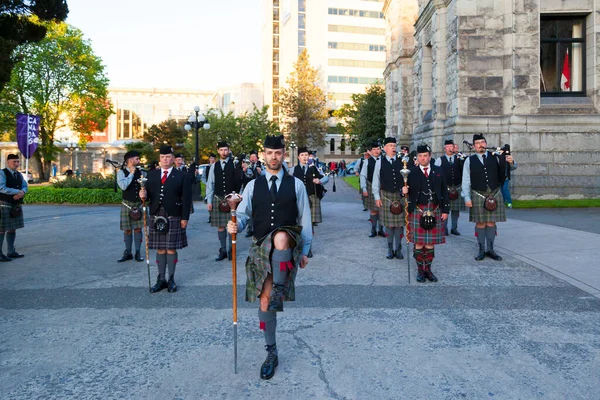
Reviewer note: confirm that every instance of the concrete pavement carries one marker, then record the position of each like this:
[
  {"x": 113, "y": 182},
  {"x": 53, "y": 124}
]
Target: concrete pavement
[{"x": 76, "y": 324}]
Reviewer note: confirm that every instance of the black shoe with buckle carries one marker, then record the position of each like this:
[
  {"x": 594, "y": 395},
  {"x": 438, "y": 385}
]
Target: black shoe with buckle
[
  {"x": 171, "y": 286},
  {"x": 381, "y": 233},
  {"x": 267, "y": 370},
  {"x": 390, "y": 254},
  {"x": 490, "y": 253},
  {"x": 421, "y": 275},
  {"x": 276, "y": 300},
  {"x": 159, "y": 285},
  {"x": 126, "y": 256},
  {"x": 398, "y": 253},
  {"x": 138, "y": 257},
  {"x": 14, "y": 254},
  {"x": 429, "y": 275},
  {"x": 3, "y": 258},
  {"x": 373, "y": 233},
  {"x": 481, "y": 255},
  {"x": 222, "y": 255}
]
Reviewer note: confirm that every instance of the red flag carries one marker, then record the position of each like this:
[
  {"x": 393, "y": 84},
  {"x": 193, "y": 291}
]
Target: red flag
[{"x": 565, "y": 79}]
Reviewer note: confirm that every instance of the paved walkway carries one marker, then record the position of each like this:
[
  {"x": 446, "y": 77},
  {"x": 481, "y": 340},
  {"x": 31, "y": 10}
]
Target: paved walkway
[{"x": 74, "y": 324}]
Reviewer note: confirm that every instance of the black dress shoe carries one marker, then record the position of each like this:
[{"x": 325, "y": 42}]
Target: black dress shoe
[
  {"x": 481, "y": 254},
  {"x": 364, "y": 209},
  {"x": 267, "y": 370},
  {"x": 455, "y": 232},
  {"x": 420, "y": 277},
  {"x": 276, "y": 300},
  {"x": 490, "y": 253},
  {"x": 159, "y": 285},
  {"x": 390, "y": 254},
  {"x": 126, "y": 256},
  {"x": 373, "y": 233},
  {"x": 398, "y": 254},
  {"x": 430, "y": 276},
  {"x": 171, "y": 286},
  {"x": 3, "y": 258},
  {"x": 15, "y": 255},
  {"x": 381, "y": 233},
  {"x": 222, "y": 255},
  {"x": 137, "y": 257}
]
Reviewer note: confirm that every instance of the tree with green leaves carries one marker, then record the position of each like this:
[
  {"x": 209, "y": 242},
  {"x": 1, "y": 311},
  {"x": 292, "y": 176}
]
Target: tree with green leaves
[
  {"x": 16, "y": 28},
  {"x": 304, "y": 105},
  {"x": 168, "y": 132},
  {"x": 364, "y": 119},
  {"x": 62, "y": 80}
]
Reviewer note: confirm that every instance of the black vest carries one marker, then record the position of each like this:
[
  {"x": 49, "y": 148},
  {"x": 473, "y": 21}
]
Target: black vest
[
  {"x": 306, "y": 179},
  {"x": 13, "y": 183},
  {"x": 132, "y": 193},
  {"x": 371, "y": 169},
  {"x": 225, "y": 181},
  {"x": 452, "y": 171},
  {"x": 427, "y": 192},
  {"x": 390, "y": 176},
  {"x": 268, "y": 215},
  {"x": 484, "y": 176}
]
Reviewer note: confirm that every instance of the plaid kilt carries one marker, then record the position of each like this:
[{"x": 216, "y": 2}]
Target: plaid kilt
[
  {"x": 127, "y": 224},
  {"x": 218, "y": 217},
  {"x": 459, "y": 203},
  {"x": 315, "y": 209},
  {"x": 480, "y": 214},
  {"x": 175, "y": 239},
  {"x": 370, "y": 203},
  {"x": 385, "y": 215},
  {"x": 258, "y": 264},
  {"x": 8, "y": 223},
  {"x": 418, "y": 235}
]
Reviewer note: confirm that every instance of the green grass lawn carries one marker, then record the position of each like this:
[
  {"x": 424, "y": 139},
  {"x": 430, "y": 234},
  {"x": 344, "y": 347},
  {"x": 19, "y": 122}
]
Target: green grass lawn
[{"x": 558, "y": 203}]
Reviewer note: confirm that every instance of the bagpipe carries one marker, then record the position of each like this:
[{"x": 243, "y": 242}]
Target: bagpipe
[{"x": 320, "y": 189}]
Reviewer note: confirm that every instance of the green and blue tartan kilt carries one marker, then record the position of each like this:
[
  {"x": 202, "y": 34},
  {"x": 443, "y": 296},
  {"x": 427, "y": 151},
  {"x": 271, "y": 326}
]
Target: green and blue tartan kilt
[
  {"x": 480, "y": 214},
  {"x": 459, "y": 203},
  {"x": 258, "y": 264},
  {"x": 218, "y": 217},
  {"x": 370, "y": 203},
  {"x": 386, "y": 217},
  {"x": 315, "y": 209},
  {"x": 418, "y": 235},
  {"x": 127, "y": 224},
  {"x": 8, "y": 223},
  {"x": 174, "y": 239}
]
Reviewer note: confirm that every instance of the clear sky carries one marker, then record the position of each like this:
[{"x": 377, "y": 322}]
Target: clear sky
[{"x": 184, "y": 44}]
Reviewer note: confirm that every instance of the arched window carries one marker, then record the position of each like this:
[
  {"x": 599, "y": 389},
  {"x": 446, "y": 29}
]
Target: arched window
[{"x": 332, "y": 144}]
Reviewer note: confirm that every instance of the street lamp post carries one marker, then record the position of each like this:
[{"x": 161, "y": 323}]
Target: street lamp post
[
  {"x": 103, "y": 151},
  {"x": 293, "y": 147},
  {"x": 196, "y": 121},
  {"x": 71, "y": 148}
]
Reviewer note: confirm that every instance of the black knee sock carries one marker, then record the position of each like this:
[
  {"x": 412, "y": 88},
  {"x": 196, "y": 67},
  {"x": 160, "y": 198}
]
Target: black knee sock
[
  {"x": 161, "y": 262},
  {"x": 128, "y": 239},
  {"x": 281, "y": 262},
  {"x": 137, "y": 239},
  {"x": 223, "y": 239},
  {"x": 10, "y": 242},
  {"x": 268, "y": 324},
  {"x": 172, "y": 263},
  {"x": 490, "y": 233},
  {"x": 481, "y": 235}
]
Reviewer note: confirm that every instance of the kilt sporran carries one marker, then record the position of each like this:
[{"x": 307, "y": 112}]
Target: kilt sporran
[
  {"x": 217, "y": 216},
  {"x": 418, "y": 235},
  {"x": 391, "y": 212},
  {"x": 478, "y": 213}
]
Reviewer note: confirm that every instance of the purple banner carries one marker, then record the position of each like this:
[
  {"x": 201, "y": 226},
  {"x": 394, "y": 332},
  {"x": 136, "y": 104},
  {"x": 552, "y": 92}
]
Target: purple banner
[{"x": 27, "y": 133}]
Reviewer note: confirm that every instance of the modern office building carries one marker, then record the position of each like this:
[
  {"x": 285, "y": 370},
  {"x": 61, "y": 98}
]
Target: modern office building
[{"x": 345, "y": 40}]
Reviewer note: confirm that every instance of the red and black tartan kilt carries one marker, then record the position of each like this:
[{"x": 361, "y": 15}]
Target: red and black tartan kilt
[
  {"x": 315, "y": 209},
  {"x": 217, "y": 217},
  {"x": 370, "y": 203},
  {"x": 478, "y": 213},
  {"x": 174, "y": 239},
  {"x": 418, "y": 235}
]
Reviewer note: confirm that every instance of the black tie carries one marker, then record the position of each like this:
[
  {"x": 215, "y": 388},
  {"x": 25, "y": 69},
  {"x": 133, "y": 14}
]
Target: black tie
[
  {"x": 273, "y": 187},
  {"x": 304, "y": 169},
  {"x": 484, "y": 158}
]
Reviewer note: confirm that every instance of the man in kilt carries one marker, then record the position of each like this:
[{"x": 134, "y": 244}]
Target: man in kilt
[
  {"x": 387, "y": 186},
  {"x": 366, "y": 184},
  {"x": 483, "y": 176},
  {"x": 313, "y": 180},
  {"x": 428, "y": 207},
  {"x": 453, "y": 170},
  {"x": 132, "y": 220},
  {"x": 180, "y": 165},
  {"x": 278, "y": 205},
  {"x": 223, "y": 179},
  {"x": 169, "y": 192},
  {"x": 359, "y": 165},
  {"x": 13, "y": 188}
]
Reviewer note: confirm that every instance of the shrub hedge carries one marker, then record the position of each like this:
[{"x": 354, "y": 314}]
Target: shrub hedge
[
  {"x": 51, "y": 195},
  {"x": 91, "y": 181}
]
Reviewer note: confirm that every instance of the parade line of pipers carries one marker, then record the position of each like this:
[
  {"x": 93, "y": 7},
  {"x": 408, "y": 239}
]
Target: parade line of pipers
[{"x": 279, "y": 207}]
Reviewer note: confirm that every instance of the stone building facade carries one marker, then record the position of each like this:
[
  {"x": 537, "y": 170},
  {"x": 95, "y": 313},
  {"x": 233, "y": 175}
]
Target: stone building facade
[{"x": 522, "y": 72}]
